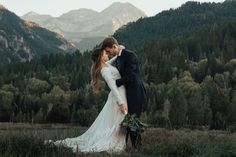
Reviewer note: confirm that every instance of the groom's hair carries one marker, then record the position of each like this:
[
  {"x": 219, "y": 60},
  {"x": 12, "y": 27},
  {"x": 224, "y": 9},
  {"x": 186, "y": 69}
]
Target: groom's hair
[{"x": 109, "y": 42}]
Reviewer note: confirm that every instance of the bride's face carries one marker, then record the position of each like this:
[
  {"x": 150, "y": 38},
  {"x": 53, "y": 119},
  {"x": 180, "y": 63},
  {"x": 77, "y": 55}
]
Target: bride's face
[{"x": 104, "y": 56}]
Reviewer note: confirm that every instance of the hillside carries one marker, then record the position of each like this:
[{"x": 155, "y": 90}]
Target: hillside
[
  {"x": 23, "y": 40},
  {"x": 190, "y": 17}
]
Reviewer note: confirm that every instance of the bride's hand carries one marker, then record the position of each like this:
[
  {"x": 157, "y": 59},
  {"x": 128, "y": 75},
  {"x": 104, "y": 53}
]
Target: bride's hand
[{"x": 123, "y": 108}]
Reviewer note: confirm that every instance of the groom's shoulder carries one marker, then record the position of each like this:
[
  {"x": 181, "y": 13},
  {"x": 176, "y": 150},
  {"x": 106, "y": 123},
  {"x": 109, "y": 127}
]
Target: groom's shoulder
[{"x": 129, "y": 52}]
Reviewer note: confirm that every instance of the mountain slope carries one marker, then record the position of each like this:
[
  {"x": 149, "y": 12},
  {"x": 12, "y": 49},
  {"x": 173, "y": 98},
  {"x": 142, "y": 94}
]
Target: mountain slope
[
  {"x": 172, "y": 23},
  {"x": 21, "y": 40}
]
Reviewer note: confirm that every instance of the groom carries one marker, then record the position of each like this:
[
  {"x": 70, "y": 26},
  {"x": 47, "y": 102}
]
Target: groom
[{"x": 127, "y": 65}]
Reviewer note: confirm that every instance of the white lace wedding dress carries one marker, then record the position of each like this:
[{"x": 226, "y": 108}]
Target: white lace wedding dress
[{"x": 105, "y": 133}]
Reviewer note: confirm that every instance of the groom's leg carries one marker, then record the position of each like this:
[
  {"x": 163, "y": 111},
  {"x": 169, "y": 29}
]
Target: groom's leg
[{"x": 139, "y": 140}]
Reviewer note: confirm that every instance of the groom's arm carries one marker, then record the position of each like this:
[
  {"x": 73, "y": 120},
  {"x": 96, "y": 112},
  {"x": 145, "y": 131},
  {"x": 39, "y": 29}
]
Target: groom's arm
[{"x": 130, "y": 70}]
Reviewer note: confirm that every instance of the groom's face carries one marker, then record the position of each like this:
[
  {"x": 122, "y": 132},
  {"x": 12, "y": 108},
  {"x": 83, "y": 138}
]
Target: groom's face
[{"x": 112, "y": 50}]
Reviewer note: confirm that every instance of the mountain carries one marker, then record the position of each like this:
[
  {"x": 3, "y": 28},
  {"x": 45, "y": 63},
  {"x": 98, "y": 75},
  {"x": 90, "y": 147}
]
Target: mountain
[
  {"x": 38, "y": 18},
  {"x": 190, "y": 17},
  {"x": 23, "y": 40},
  {"x": 79, "y": 15},
  {"x": 89, "y": 25}
]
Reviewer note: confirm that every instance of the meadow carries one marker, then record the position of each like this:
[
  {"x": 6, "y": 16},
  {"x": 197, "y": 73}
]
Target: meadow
[{"x": 26, "y": 140}]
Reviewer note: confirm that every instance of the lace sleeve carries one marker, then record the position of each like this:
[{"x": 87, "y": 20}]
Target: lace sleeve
[{"x": 106, "y": 74}]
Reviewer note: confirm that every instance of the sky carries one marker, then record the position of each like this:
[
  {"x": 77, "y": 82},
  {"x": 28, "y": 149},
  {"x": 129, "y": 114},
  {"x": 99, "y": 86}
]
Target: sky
[{"x": 58, "y": 7}]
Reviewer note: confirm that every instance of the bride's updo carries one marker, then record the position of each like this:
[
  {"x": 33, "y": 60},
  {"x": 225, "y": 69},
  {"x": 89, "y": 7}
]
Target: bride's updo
[{"x": 96, "y": 68}]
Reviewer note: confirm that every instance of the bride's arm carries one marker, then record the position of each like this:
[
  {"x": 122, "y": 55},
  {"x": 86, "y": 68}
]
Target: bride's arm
[
  {"x": 106, "y": 74},
  {"x": 111, "y": 60}
]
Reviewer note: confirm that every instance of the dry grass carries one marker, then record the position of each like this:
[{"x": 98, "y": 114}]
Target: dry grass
[{"x": 27, "y": 140}]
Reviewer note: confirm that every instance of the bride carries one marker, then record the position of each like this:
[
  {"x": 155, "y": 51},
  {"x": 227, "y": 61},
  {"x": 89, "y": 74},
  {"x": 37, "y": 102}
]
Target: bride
[{"x": 105, "y": 133}]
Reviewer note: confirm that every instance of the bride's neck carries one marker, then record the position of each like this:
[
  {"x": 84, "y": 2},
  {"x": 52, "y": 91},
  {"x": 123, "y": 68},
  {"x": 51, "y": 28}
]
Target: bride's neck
[{"x": 104, "y": 64}]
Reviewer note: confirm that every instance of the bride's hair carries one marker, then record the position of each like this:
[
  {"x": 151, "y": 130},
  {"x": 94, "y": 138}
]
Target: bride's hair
[{"x": 96, "y": 68}]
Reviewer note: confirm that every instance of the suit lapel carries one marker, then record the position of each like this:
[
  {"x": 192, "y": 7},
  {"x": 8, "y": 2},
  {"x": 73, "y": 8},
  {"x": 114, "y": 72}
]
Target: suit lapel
[{"x": 118, "y": 63}]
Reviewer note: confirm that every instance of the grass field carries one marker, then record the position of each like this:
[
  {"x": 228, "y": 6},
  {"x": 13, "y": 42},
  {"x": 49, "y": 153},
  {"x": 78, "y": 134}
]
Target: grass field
[{"x": 26, "y": 140}]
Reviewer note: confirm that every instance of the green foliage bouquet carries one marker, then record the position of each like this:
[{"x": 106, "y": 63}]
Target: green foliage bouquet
[{"x": 134, "y": 127}]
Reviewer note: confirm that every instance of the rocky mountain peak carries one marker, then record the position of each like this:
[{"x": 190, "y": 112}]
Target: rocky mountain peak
[
  {"x": 121, "y": 7},
  {"x": 79, "y": 14},
  {"x": 31, "y": 13}
]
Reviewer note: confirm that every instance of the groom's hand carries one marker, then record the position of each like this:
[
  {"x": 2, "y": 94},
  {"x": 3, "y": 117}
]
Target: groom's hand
[{"x": 122, "y": 108}]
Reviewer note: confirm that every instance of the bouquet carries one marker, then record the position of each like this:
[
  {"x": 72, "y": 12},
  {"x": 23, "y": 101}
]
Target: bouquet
[{"x": 134, "y": 127}]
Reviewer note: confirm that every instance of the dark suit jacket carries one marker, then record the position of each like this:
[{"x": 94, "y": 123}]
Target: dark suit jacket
[{"x": 127, "y": 64}]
